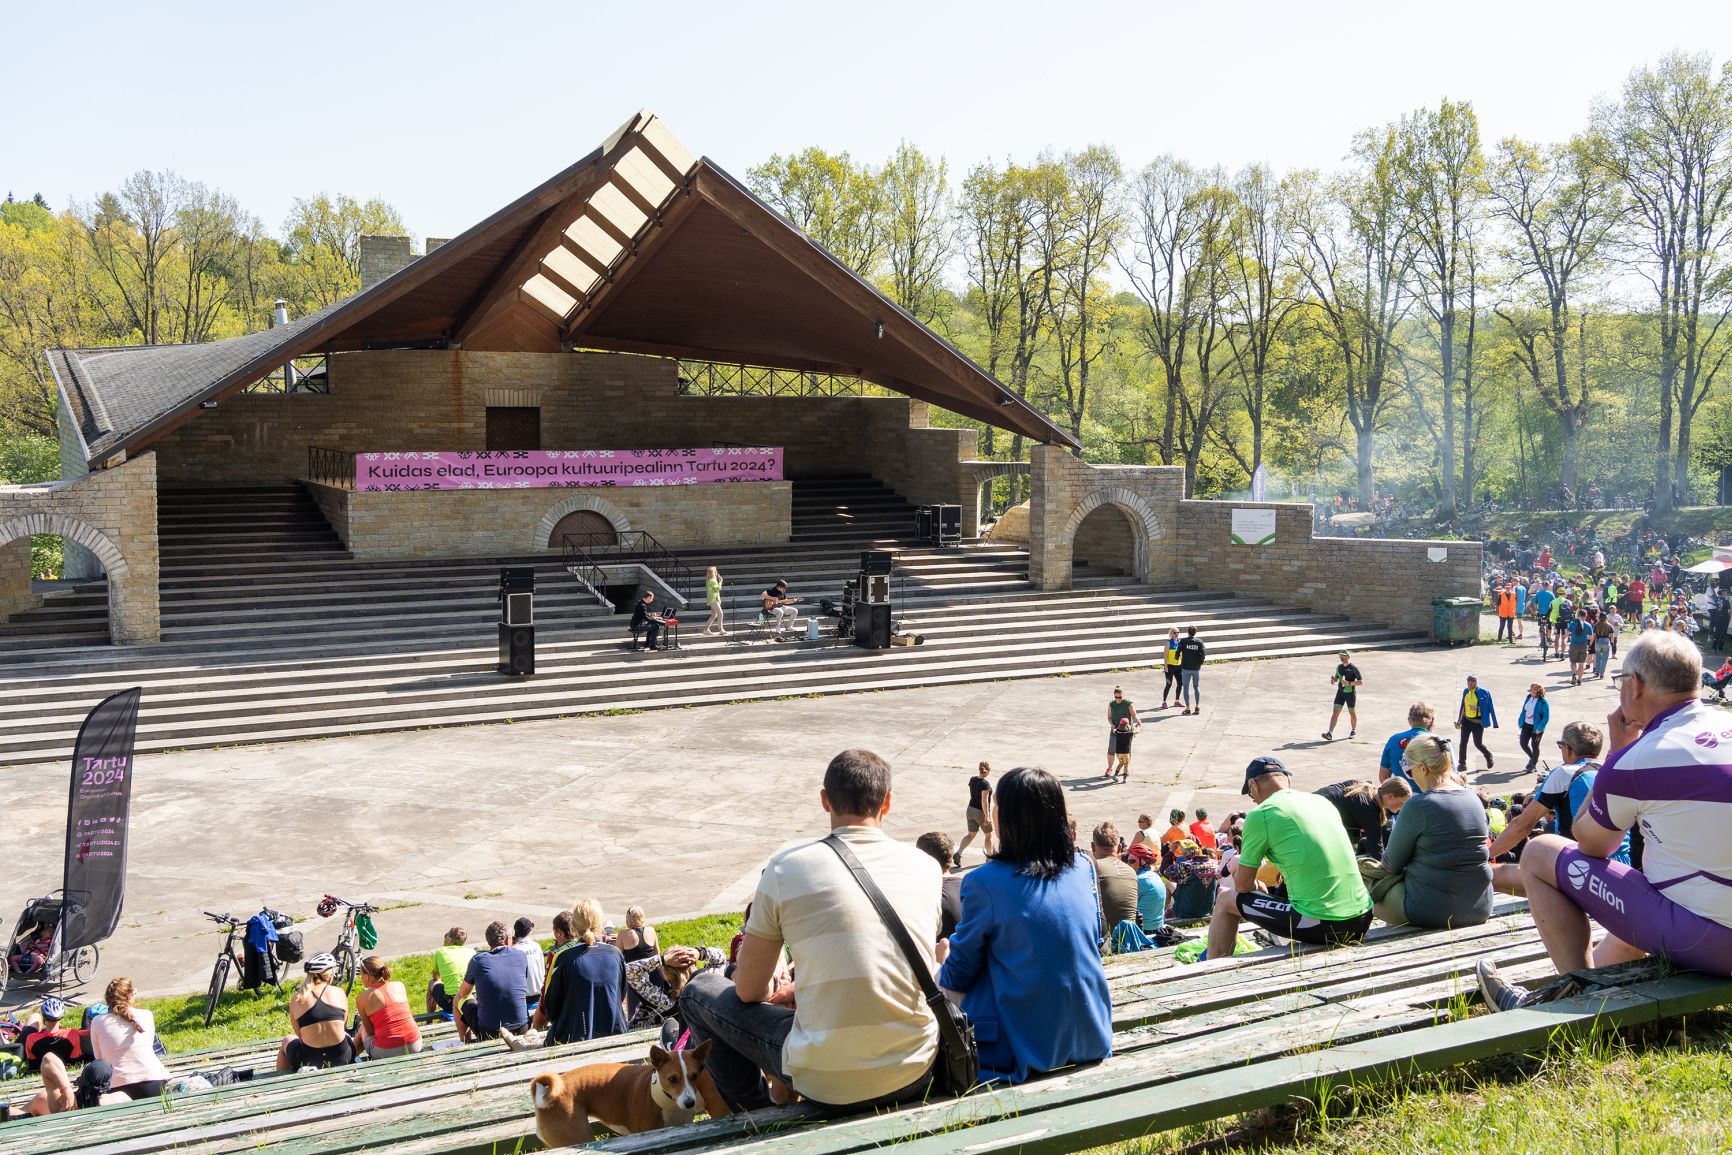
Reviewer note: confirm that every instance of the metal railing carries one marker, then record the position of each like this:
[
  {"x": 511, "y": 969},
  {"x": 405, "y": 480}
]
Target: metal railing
[
  {"x": 331, "y": 466},
  {"x": 717, "y": 379},
  {"x": 302, "y": 375},
  {"x": 586, "y": 555}
]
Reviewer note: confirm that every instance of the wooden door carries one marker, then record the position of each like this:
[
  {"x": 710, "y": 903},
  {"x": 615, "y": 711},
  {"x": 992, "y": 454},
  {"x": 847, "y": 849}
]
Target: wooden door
[{"x": 513, "y": 428}]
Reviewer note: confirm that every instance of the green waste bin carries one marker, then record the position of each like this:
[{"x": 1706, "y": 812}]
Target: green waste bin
[{"x": 1455, "y": 619}]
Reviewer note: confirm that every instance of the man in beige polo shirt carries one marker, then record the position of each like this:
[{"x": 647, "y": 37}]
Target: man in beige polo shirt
[{"x": 859, "y": 1032}]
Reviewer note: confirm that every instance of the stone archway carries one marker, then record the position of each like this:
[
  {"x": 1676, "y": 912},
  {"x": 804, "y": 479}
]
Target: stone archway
[
  {"x": 121, "y": 610},
  {"x": 578, "y": 503},
  {"x": 1144, "y": 525}
]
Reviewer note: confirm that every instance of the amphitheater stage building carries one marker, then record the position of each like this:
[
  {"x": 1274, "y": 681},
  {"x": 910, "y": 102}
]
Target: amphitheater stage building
[{"x": 629, "y": 373}]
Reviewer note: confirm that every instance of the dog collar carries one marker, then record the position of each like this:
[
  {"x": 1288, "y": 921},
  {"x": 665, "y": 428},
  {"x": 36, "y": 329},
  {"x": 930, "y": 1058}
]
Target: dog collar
[{"x": 659, "y": 1096}]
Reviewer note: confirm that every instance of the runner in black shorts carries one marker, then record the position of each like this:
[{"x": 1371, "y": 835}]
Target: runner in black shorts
[
  {"x": 1270, "y": 913},
  {"x": 1346, "y": 680}
]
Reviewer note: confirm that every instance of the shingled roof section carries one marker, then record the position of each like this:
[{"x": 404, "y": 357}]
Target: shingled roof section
[
  {"x": 640, "y": 247},
  {"x": 115, "y": 390}
]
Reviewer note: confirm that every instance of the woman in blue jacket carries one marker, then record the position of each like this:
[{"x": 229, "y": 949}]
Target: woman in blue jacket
[
  {"x": 1536, "y": 712},
  {"x": 1025, "y": 956}
]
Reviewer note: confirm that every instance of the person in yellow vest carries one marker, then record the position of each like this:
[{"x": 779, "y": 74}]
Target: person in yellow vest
[
  {"x": 1475, "y": 713},
  {"x": 1171, "y": 667},
  {"x": 1506, "y": 612}
]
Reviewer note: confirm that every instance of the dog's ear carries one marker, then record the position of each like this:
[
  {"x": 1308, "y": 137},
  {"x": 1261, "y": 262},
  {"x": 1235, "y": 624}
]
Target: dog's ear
[
  {"x": 699, "y": 1053},
  {"x": 657, "y": 1056}
]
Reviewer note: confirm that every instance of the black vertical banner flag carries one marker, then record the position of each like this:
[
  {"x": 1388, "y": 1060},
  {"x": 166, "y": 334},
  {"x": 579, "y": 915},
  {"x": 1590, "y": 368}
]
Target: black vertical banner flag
[{"x": 96, "y": 821}]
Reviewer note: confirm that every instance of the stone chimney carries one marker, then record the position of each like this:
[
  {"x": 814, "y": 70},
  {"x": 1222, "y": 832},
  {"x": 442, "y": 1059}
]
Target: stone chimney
[
  {"x": 382, "y": 256},
  {"x": 435, "y": 242}
]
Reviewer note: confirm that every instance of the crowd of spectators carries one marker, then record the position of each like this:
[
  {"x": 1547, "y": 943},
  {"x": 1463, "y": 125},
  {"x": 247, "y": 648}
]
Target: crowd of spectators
[{"x": 815, "y": 998}]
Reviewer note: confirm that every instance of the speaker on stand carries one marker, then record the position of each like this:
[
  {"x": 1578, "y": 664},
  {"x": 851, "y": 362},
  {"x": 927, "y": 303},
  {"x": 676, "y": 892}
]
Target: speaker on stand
[
  {"x": 517, "y": 622},
  {"x": 872, "y": 625}
]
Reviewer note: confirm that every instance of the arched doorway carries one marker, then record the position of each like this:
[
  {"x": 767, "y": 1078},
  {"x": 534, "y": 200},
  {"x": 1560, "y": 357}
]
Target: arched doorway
[
  {"x": 128, "y": 619},
  {"x": 586, "y": 526},
  {"x": 1105, "y": 545}
]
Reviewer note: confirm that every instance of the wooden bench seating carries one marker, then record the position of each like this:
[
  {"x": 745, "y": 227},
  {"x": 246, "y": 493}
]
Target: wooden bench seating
[{"x": 1191, "y": 1043}]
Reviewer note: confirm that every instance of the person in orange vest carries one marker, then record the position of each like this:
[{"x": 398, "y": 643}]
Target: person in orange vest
[{"x": 1506, "y": 612}]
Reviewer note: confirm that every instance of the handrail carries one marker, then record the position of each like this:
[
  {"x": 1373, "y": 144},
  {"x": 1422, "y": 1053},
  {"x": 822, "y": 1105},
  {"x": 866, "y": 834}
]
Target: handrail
[
  {"x": 330, "y": 466},
  {"x": 586, "y": 553}
]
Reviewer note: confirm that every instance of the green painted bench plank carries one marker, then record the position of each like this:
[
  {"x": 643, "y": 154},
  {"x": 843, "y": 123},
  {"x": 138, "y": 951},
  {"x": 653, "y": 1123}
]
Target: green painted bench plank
[{"x": 1128, "y": 1114}]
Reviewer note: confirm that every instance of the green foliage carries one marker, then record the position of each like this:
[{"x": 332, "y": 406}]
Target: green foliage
[{"x": 28, "y": 459}]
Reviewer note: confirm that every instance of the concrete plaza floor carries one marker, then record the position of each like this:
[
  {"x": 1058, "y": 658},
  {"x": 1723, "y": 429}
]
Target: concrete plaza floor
[{"x": 676, "y": 810}]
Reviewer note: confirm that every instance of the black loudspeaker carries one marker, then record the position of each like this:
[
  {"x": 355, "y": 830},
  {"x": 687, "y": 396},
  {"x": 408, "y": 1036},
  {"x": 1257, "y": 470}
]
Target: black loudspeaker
[
  {"x": 874, "y": 587},
  {"x": 876, "y": 561},
  {"x": 516, "y": 650},
  {"x": 872, "y": 625},
  {"x": 518, "y": 609},
  {"x": 517, "y": 579}
]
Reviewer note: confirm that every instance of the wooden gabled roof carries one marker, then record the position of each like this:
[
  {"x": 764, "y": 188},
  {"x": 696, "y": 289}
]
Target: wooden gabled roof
[{"x": 639, "y": 247}]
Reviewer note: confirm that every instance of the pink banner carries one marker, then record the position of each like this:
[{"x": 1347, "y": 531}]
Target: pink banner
[{"x": 568, "y": 469}]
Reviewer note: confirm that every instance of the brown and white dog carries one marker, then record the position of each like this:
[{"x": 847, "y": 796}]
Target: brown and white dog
[{"x": 627, "y": 1097}]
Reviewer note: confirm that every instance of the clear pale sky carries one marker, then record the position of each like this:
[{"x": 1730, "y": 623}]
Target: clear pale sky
[{"x": 449, "y": 110}]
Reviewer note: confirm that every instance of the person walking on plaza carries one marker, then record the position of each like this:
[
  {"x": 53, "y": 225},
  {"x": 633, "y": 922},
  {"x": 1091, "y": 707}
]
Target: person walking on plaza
[
  {"x": 1346, "y": 679},
  {"x": 1580, "y": 632},
  {"x": 1191, "y": 653},
  {"x": 1536, "y": 712},
  {"x": 1122, "y": 724},
  {"x": 713, "y": 599},
  {"x": 1522, "y": 592},
  {"x": 1671, "y": 776},
  {"x": 1302, "y": 836},
  {"x": 1170, "y": 666},
  {"x": 979, "y": 813},
  {"x": 1605, "y": 637},
  {"x": 1542, "y": 603},
  {"x": 1506, "y": 612},
  {"x": 1475, "y": 713}
]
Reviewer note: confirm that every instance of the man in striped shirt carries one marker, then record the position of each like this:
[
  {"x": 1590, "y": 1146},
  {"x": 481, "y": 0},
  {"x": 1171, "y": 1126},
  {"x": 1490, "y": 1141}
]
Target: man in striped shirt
[{"x": 1671, "y": 777}]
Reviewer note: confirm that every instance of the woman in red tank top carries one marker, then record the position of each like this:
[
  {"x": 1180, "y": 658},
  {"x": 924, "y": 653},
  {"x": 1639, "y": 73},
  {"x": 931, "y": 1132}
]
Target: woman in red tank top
[{"x": 388, "y": 1024}]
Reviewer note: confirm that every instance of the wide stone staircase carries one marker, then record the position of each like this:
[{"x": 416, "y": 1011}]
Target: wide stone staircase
[{"x": 271, "y": 631}]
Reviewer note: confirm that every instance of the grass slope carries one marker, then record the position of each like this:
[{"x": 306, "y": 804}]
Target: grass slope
[{"x": 1664, "y": 1092}]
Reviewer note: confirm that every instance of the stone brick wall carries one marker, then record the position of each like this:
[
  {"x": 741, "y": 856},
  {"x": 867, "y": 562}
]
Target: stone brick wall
[
  {"x": 15, "y": 575},
  {"x": 500, "y": 522},
  {"x": 382, "y": 256},
  {"x": 1367, "y": 579},
  {"x": 1172, "y": 539},
  {"x": 111, "y": 513}
]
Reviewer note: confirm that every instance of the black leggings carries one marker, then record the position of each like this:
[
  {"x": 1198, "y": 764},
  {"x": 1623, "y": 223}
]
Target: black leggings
[
  {"x": 1473, "y": 732},
  {"x": 1172, "y": 682},
  {"x": 1530, "y": 742}
]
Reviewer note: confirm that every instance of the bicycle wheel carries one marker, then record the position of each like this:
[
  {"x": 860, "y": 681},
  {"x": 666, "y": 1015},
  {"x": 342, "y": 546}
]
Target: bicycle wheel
[
  {"x": 219, "y": 978},
  {"x": 346, "y": 967},
  {"x": 84, "y": 962}
]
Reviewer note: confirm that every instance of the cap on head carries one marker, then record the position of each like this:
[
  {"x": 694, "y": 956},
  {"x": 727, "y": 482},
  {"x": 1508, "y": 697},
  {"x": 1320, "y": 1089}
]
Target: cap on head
[{"x": 1267, "y": 764}]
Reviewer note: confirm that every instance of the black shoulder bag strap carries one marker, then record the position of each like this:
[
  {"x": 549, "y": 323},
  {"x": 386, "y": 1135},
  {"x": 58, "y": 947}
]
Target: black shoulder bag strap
[{"x": 958, "y": 1061}]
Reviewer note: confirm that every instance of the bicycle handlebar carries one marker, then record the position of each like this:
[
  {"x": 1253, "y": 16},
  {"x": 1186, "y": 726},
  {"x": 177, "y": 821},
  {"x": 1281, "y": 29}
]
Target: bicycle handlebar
[{"x": 225, "y": 918}]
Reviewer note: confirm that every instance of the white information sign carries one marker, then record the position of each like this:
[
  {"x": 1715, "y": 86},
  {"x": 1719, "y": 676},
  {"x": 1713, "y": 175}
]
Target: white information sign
[{"x": 1253, "y": 527}]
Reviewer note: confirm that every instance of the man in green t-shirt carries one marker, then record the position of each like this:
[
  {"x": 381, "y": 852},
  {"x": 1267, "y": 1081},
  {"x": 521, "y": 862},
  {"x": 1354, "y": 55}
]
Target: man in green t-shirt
[
  {"x": 449, "y": 963},
  {"x": 1303, "y": 836}
]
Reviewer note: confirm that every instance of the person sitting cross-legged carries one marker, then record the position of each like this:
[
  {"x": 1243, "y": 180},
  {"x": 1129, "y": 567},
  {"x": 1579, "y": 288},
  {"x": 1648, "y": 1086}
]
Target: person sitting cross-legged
[
  {"x": 1300, "y": 834},
  {"x": 1026, "y": 957},
  {"x": 1670, "y": 776},
  {"x": 859, "y": 1033},
  {"x": 319, "y": 1013}
]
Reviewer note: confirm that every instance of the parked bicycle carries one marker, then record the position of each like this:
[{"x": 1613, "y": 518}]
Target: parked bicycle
[
  {"x": 230, "y": 960},
  {"x": 346, "y": 952}
]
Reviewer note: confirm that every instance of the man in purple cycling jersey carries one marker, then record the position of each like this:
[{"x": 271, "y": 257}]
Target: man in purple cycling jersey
[{"x": 1671, "y": 777}]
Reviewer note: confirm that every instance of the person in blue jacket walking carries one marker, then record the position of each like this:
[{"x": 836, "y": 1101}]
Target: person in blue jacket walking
[
  {"x": 1475, "y": 713},
  {"x": 1025, "y": 955},
  {"x": 1536, "y": 712}
]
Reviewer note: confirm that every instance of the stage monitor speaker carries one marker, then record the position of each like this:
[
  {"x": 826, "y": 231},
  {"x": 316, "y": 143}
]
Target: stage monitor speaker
[
  {"x": 875, "y": 561},
  {"x": 516, "y": 579},
  {"x": 874, "y": 587},
  {"x": 872, "y": 625},
  {"x": 518, "y": 609},
  {"x": 516, "y": 650}
]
